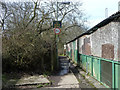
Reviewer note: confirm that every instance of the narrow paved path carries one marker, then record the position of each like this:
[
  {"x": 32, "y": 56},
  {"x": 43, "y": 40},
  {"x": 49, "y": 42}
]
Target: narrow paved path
[
  {"x": 68, "y": 76},
  {"x": 64, "y": 78},
  {"x": 65, "y": 81}
]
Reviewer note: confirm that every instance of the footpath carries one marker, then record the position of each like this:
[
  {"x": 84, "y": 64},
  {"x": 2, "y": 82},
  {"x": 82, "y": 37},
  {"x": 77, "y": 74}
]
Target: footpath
[
  {"x": 64, "y": 78},
  {"x": 71, "y": 77}
]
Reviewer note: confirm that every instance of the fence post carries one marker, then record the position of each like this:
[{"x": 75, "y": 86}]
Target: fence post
[
  {"x": 92, "y": 66},
  {"x": 80, "y": 59},
  {"x": 113, "y": 77},
  {"x": 100, "y": 68},
  {"x": 86, "y": 66}
]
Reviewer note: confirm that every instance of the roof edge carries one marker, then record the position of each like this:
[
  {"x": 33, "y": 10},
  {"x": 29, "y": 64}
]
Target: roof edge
[{"x": 99, "y": 25}]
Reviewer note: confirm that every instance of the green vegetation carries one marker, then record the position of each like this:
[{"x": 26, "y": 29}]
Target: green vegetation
[
  {"x": 89, "y": 81},
  {"x": 39, "y": 86},
  {"x": 46, "y": 74},
  {"x": 42, "y": 85},
  {"x": 61, "y": 55},
  {"x": 79, "y": 81},
  {"x": 9, "y": 80}
]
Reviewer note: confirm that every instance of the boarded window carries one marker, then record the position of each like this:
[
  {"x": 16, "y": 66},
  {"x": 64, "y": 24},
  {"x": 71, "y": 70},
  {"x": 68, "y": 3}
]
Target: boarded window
[
  {"x": 119, "y": 53},
  {"x": 108, "y": 51}
]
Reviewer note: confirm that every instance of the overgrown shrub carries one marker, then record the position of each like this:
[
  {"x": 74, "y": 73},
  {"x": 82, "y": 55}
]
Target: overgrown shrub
[{"x": 25, "y": 50}]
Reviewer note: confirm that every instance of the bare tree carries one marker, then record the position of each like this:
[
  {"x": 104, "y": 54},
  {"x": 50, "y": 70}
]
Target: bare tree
[
  {"x": 28, "y": 30},
  {"x": 3, "y": 15}
]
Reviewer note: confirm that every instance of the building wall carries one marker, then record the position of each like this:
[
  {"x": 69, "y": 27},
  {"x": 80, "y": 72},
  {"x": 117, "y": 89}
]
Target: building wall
[
  {"x": 119, "y": 41},
  {"x": 85, "y": 45},
  {"x": 81, "y": 44},
  {"x": 103, "y": 42}
]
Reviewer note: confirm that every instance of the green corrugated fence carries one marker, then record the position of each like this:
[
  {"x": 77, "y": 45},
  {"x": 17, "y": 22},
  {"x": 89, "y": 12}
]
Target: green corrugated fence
[{"x": 105, "y": 71}]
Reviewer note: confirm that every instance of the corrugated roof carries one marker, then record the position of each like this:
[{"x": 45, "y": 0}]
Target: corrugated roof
[{"x": 114, "y": 17}]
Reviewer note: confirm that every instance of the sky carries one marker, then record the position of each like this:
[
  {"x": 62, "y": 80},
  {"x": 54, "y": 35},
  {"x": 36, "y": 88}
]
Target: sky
[{"x": 94, "y": 9}]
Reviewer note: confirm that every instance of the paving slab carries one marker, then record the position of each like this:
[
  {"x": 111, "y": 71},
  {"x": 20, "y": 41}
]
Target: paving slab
[
  {"x": 69, "y": 79},
  {"x": 32, "y": 80},
  {"x": 65, "y": 81},
  {"x": 27, "y": 81}
]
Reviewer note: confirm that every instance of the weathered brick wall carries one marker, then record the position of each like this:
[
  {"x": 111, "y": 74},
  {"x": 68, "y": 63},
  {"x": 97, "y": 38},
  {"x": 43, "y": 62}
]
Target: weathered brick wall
[{"x": 102, "y": 43}]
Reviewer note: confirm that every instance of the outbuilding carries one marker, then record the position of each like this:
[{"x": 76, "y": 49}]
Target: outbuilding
[{"x": 98, "y": 51}]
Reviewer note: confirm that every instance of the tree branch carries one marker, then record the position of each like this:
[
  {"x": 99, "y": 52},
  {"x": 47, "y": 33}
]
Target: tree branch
[
  {"x": 72, "y": 26},
  {"x": 66, "y": 14},
  {"x": 33, "y": 15}
]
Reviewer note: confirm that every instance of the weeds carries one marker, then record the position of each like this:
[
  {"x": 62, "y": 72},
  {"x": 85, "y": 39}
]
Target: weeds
[{"x": 42, "y": 85}]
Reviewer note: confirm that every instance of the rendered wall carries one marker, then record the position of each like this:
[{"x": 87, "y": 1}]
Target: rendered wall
[
  {"x": 103, "y": 42},
  {"x": 119, "y": 41},
  {"x": 96, "y": 52}
]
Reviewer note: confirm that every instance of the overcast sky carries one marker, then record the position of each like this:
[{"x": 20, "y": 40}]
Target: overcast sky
[{"x": 94, "y": 9}]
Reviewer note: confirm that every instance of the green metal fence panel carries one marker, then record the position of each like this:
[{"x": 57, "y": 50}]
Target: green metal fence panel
[
  {"x": 84, "y": 62},
  {"x": 113, "y": 74},
  {"x": 72, "y": 54},
  {"x": 67, "y": 53},
  {"x": 74, "y": 51},
  {"x": 80, "y": 63},
  {"x": 104, "y": 70},
  {"x": 89, "y": 62},
  {"x": 96, "y": 69},
  {"x": 106, "y": 73},
  {"x": 76, "y": 56},
  {"x": 117, "y": 76},
  {"x": 71, "y": 50}
]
